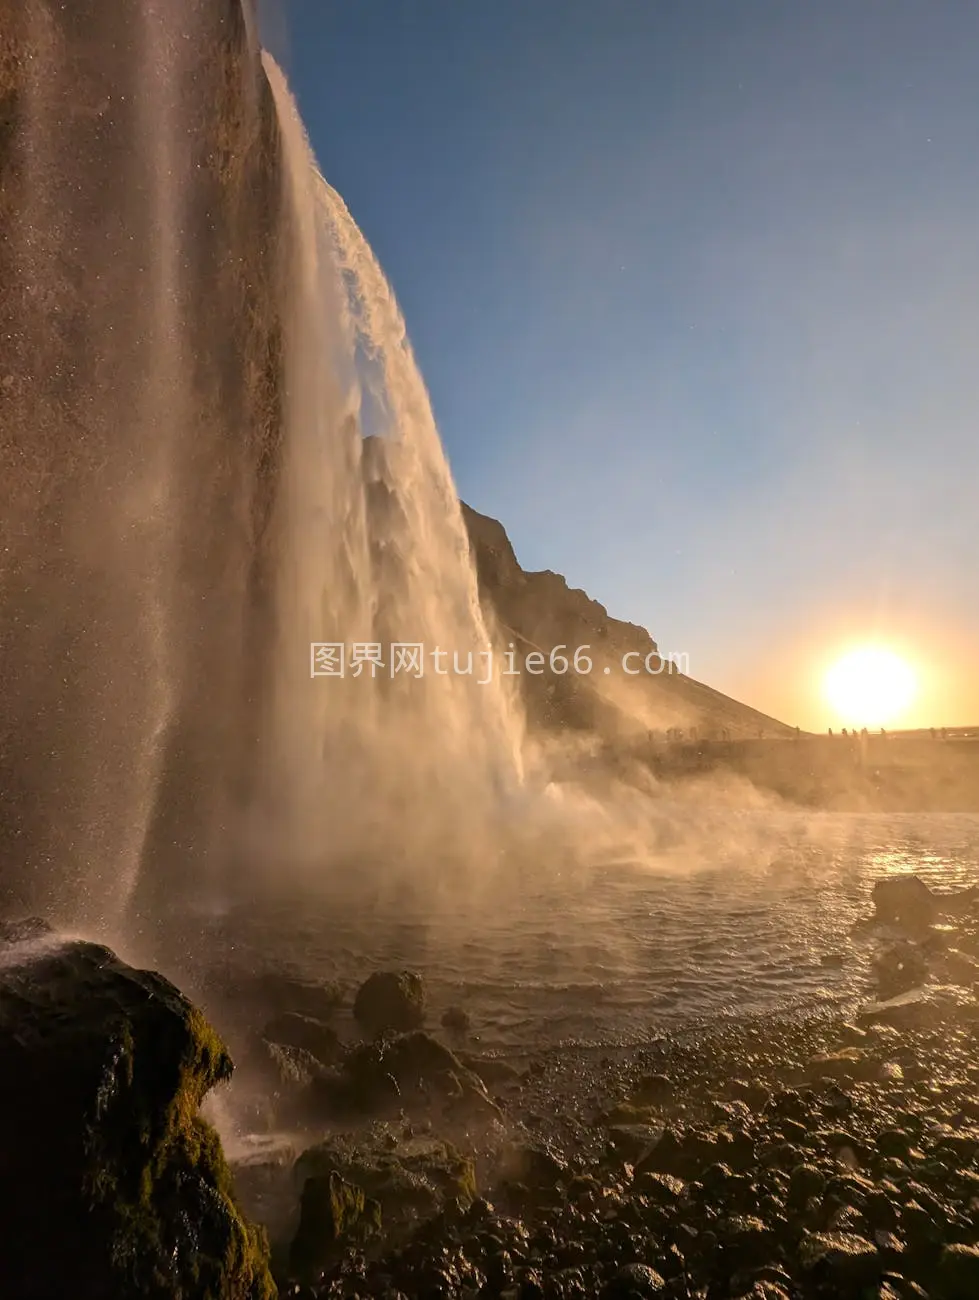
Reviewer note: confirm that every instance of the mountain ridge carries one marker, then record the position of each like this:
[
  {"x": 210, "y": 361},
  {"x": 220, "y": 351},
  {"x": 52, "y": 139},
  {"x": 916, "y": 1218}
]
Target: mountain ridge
[{"x": 545, "y": 613}]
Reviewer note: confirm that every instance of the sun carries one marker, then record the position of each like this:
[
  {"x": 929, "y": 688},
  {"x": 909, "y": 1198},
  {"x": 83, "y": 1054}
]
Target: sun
[{"x": 870, "y": 687}]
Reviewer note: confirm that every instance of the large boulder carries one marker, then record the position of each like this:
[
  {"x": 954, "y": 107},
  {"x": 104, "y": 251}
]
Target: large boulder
[{"x": 112, "y": 1185}]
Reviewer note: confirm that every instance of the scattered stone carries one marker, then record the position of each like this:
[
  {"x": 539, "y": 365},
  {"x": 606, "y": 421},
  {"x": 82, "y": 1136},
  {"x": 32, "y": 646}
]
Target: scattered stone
[
  {"x": 661, "y": 1189},
  {"x": 411, "y": 1069},
  {"x": 850, "y": 1063},
  {"x": 805, "y": 1182},
  {"x": 845, "y": 1260},
  {"x": 489, "y": 1069},
  {"x": 633, "y": 1282},
  {"x": 634, "y": 1141},
  {"x": 651, "y": 1089},
  {"x": 532, "y": 1166}
]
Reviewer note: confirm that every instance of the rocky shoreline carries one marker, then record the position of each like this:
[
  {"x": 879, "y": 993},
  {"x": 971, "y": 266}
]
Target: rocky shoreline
[
  {"x": 766, "y": 1158},
  {"x": 777, "y": 1159}
]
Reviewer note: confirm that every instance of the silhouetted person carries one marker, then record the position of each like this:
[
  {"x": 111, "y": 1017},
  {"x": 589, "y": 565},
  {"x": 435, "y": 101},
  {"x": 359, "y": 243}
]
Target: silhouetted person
[
  {"x": 830, "y": 732},
  {"x": 845, "y": 732}
]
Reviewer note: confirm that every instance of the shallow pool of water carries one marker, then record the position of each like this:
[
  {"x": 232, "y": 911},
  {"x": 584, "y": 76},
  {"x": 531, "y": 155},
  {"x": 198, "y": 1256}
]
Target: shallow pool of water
[{"x": 617, "y": 952}]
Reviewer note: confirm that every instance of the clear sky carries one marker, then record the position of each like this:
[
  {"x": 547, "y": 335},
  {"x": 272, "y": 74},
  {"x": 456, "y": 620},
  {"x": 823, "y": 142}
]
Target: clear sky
[{"x": 694, "y": 285}]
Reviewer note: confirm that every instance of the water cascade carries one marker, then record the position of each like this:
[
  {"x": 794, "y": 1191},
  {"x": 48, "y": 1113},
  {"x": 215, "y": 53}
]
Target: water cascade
[
  {"x": 375, "y": 554},
  {"x": 196, "y": 343}
]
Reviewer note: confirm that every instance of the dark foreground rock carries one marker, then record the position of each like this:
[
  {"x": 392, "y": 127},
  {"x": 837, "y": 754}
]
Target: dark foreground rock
[{"x": 112, "y": 1186}]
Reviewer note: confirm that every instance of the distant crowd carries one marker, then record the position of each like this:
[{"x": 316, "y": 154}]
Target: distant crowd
[{"x": 705, "y": 735}]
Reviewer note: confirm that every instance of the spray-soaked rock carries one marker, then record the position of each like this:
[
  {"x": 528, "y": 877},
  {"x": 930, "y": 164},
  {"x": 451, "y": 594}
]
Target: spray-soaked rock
[
  {"x": 112, "y": 1185},
  {"x": 390, "y": 1000}
]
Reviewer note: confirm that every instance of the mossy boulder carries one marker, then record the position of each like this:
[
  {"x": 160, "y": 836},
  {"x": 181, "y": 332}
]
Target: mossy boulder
[
  {"x": 334, "y": 1213},
  {"x": 390, "y": 1001},
  {"x": 410, "y": 1178},
  {"x": 112, "y": 1184}
]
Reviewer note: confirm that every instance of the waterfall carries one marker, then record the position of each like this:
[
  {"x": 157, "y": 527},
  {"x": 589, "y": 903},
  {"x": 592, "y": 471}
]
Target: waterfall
[
  {"x": 374, "y": 552},
  {"x": 217, "y": 450}
]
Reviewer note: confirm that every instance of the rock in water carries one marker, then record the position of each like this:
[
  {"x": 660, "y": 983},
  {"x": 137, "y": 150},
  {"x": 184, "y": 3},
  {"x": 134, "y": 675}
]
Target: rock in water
[
  {"x": 303, "y": 1032},
  {"x": 905, "y": 901},
  {"x": 390, "y": 1000},
  {"x": 112, "y": 1185}
]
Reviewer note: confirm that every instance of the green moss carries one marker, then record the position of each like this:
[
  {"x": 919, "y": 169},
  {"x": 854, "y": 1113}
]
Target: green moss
[
  {"x": 335, "y": 1213},
  {"x": 409, "y": 1180},
  {"x": 159, "y": 1180}
]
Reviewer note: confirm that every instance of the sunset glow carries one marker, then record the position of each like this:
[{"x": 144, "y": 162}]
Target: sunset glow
[{"x": 870, "y": 687}]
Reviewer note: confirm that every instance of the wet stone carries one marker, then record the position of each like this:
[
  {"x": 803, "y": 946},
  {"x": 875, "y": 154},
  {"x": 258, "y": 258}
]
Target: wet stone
[{"x": 633, "y": 1282}]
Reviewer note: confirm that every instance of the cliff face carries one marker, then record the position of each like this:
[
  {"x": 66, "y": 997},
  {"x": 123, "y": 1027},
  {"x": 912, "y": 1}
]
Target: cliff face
[
  {"x": 541, "y": 606},
  {"x": 539, "y": 611},
  {"x": 139, "y": 424}
]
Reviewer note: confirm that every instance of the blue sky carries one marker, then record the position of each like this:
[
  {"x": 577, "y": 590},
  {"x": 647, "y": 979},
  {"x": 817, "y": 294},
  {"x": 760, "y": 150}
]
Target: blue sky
[{"x": 695, "y": 290}]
